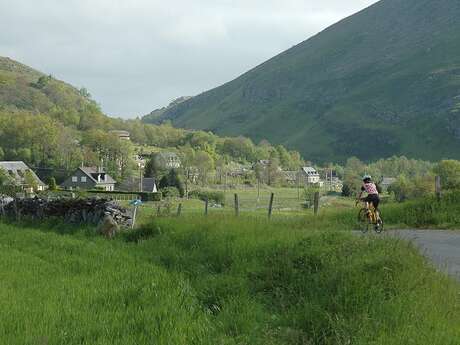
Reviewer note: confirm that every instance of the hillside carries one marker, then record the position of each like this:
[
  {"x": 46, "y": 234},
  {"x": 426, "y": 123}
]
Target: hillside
[
  {"x": 153, "y": 116},
  {"x": 384, "y": 81},
  {"x": 50, "y": 124},
  {"x": 25, "y": 89}
]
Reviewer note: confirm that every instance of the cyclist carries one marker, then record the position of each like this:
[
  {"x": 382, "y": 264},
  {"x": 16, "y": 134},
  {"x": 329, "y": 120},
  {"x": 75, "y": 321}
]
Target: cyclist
[{"x": 372, "y": 195}]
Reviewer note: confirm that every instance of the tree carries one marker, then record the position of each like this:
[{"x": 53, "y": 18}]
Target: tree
[
  {"x": 4, "y": 177},
  {"x": 30, "y": 180},
  {"x": 153, "y": 167},
  {"x": 449, "y": 171},
  {"x": 273, "y": 170},
  {"x": 52, "y": 184},
  {"x": 172, "y": 179},
  {"x": 406, "y": 188},
  {"x": 204, "y": 163},
  {"x": 240, "y": 148}
]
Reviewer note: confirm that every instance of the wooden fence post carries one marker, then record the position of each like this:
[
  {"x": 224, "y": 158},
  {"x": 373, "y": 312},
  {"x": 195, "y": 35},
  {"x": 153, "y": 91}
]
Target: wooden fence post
[
  {"x": 316, "y": 203},
  {"x": 270, "y": 206},
  {"x": 179, "y": 210},
  {"x": 438, "y": 187},
  {"x": 237, "y": 205},
  {"x": 206, "y": 203}
]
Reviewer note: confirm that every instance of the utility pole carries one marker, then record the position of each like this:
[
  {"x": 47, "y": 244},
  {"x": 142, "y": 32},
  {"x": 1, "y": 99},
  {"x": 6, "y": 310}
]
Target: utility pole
[
  {"x": 258, "y": 190},
  {"x": 141, "y": 178},
  {"x": 331, "y": 180},
  {"x": 298, "y": 185}
]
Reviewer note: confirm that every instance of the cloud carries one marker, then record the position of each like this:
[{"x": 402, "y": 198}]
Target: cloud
[{"x": 137, "y": 55}]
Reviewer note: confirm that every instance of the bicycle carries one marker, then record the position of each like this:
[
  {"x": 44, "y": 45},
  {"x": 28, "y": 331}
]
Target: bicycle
[{"x": 367, "y": 218}]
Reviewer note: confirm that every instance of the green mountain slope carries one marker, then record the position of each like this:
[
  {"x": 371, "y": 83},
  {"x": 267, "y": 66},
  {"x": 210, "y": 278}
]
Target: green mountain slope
[
  {"x": 383, "y": 81},
  {"x": 153, "y": 116},
  {"x": 23, "y": 89}
]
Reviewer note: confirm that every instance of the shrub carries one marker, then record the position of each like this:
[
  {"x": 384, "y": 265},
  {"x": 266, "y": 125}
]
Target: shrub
[
  {"x": 217, "y": 197},
  {"x": 170, "y": 192},
  {"x": 142, "y": 233},
  {"x": 52, "y": 184}
]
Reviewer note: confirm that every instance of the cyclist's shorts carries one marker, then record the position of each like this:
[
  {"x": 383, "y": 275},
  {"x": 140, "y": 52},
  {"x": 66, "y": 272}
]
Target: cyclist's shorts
[{"x": 373, "y": 199}]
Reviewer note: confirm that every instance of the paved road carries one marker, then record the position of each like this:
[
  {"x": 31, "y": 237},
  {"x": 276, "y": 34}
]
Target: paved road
[{"x": 441, "y": 246}]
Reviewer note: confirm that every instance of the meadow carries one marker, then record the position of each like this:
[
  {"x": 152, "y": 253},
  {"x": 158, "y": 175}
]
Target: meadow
[{"x": 296, "y": 279}]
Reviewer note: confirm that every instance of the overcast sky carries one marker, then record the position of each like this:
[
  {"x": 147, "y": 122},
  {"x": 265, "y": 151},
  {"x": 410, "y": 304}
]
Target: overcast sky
[{"x": 137, "y": 55}]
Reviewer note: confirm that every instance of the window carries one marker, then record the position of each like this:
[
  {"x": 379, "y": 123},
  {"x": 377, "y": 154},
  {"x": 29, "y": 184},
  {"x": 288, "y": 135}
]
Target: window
[
  {"x": 74, "y": 179},
  {"x": 83, "y": 179}
]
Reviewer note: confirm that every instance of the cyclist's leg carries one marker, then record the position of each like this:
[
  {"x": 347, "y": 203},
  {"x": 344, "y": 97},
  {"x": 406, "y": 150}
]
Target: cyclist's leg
[{"x": 376, "y": 203}]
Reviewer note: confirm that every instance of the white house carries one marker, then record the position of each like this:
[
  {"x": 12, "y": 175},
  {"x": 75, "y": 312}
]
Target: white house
[{"x": 310, "y": 176}]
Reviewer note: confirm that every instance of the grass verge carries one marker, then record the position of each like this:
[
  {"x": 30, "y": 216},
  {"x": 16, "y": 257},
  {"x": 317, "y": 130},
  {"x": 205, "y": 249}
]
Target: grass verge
[{"x": 221, "y": 280}]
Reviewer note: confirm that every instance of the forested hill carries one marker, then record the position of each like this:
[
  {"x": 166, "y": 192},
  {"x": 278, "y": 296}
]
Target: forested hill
[
  {"x": 23, "y": 89},
  {"x": 383, "y": 81},
  {"x": 50, "y": 124}
]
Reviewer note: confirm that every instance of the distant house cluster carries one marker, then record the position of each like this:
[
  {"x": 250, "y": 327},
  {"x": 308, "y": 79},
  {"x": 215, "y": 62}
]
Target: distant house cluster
[{"x": 168, "y": 160}]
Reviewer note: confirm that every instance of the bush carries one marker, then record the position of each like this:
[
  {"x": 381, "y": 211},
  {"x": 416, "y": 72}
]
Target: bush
[
  {"x": 52, "y": 184},
  {"x": 146, "y": 196},
  {"x": 172, "y": 179},
  {"x": 217, "y": 197},
  {"x": 170, "y": 192},
  {"x": 142, "y": 233},
  {"x": 10, "y": 190}
]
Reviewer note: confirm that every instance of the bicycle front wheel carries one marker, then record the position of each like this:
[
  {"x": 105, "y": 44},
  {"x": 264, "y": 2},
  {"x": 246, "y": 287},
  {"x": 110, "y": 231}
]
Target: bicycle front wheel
[{"x": 363, "y": 220}]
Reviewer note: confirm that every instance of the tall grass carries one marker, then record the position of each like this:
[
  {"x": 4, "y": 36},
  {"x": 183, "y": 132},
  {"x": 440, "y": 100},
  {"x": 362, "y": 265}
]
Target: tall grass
[
  {"x": 222, "y": 280},
  {"x": 427, "y": 212},
  {"x": 279, "y": 283},
  {"x": 58, "y": 289}
]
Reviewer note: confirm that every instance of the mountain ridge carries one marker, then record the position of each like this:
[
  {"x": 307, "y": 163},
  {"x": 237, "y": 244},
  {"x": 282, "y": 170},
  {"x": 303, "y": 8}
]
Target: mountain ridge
[{"x": 390, "y": 71}]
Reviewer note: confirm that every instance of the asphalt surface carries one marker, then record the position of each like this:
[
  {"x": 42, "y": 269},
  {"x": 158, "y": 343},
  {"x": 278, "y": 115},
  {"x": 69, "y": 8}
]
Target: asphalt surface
[{"x": 442, "y": 247}]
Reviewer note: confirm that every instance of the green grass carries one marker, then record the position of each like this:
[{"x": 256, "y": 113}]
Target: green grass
[
  {"x": 221, "y": 280},
  {"x": 426, "y": 213},
  {"x": 286, "y": 204}
]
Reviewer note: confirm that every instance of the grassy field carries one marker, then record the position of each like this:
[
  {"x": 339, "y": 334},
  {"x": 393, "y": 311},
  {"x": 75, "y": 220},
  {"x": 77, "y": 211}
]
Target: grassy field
[
  {"x": 287, "y": 201},
  {"x": 221, "y": 280}
]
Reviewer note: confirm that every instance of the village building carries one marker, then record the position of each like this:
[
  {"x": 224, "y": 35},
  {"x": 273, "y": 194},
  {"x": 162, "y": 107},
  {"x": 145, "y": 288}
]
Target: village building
[
  {"x": 387, "y": 182},
  {"x": 291, "y": 177},
  {"x": 88, "y": 178},
  {"x": 122, "y": 135},
  {"x": 168, "y": 160},
  {"x": 309, "y": 175},
  {"x": 139, "y": 161},
  {"x": 19, "y": 172},
  {"x": 134, "y": 184}
]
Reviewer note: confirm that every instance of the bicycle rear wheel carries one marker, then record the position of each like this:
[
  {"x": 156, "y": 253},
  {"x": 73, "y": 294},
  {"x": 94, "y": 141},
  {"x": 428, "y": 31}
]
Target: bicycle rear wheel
[
  {"x": 378, "y": 228},
  {"x": 363, "y": 220}
]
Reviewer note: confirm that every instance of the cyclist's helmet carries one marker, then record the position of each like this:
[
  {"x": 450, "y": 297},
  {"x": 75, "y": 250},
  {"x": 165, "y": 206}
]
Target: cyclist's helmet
[{"x": 367, "y": 178}]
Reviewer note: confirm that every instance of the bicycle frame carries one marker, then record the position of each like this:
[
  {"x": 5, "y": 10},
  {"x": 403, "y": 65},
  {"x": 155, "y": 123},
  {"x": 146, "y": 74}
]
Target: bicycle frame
[{"x": 371, "y": 212}]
